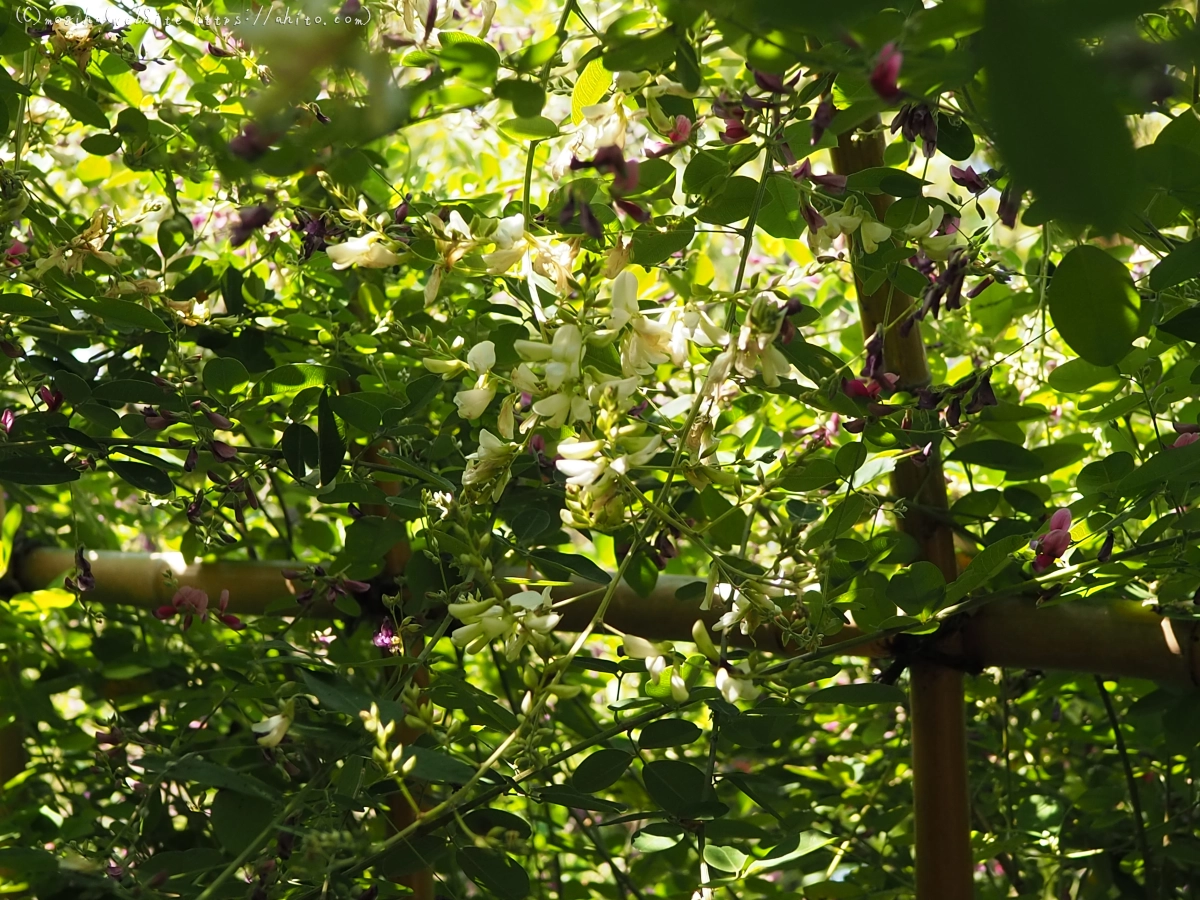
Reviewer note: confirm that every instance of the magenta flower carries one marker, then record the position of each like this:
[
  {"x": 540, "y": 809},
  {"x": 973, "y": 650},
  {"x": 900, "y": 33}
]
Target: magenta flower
[
  {"x": 228, "y": 619},
  {"x": 968, "y": 178},
  {"x": 835, "y": 184},
  {"x": 188, "y": 602},
  {"x": 1184, "y": 439},
  {"x": 860, "y": 390},
  {"x": 7, "y": 418},
  {"x": 886, "y": 72},
  {"x": 822, "y": 118},
  {"x": 1054, "y": 543},
  {"x": 813, "y": 218},
  {"x": 52, "y": 399},
  {"x": 734, "y": 132}
]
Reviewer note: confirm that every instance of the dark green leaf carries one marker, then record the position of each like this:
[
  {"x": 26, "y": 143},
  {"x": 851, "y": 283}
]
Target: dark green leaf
[
  {"x": 550, "y": 560},
  {"x": 36, "y": 470},
  {"x": 600, "y": 770},
  {"x": 1001, "y": 455},
  {"x": 668, "y": 733},
  {"x": 225, "y": 376},
  {"x": 1180, "y": 265},
  {"x": 1057, "y": 123},
  {"x": 1185, "y": 325},
  {"x": 238, "y": 818},
  {"x": 79, "y": 106},
  {"x": 293, "y": 442},
  {"x": 331, "y": 446},
  {"x": 1094, "y": 305},
  {"x": 986, "y": 564},
  {"x": 676, "y": 786},
  {"x": 495, "y": 872},
  {"x": 143, "y": 477},
  {"x": 23, "y": 305},
  {"x": 863, "y": 694}
]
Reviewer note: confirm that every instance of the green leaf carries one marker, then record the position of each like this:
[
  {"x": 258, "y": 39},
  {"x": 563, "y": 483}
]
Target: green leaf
[
  {"x": 840, "y": 519},
  {"x": 657, "y": 837},
  {"x": 668, "y": 733},
  {"x": 288, "y": 380},
  {"x": 789, "y": 851},
  {"x": 1077, "y": 375},
  {"x": 590, "y": 87},
  {"x": 849, "y": 458},
  {"x": 237, "y": 818},
  {"x": 954, "y": 138},
  {"x": 357, "y": 411},
  {"x": 23, "y": 305},
  {"x": 437, "y": 766},
  {"x": 780, "y": 214},
  {"x": 143, "y": 477},
  {"x": 80, "y": 107},
  {"x": 101, "y": 144},
  {"x": 732, "y": 204},
  {"x": 527, "y": 97},
  {"x": 1180, "y": 265},
  {"x": 550, "y": 560},
  {"x": 984, "y": 566},
  {"x": 1104, "y": 474},
  {"x": 676, "y": 786},
  {"x": 651, "y": 246},
  {"x": 917, "y": 588},
  {"x": 1094, "y": 305},
  {"x": 1174, "y": 463},
  {"x": 1057, "y": 124},
  {"x": 640, "y": 52},
  {"x": 1002, "y": 455},
  {"x": 370, "y": 537},
  {"x": 128, "y": 313},
  {"x": 192, "y": 770},
  {"x": 861, "y": 694},
  {"x": 494, "y": 872},
  {"x": 36, "y": 470},
  {"x": 529, "y": 128},
  {"x": 225, "y": 377},
  {"x": 600, "y": 770},
  {"x": 1185, "y": 325},
  {"x": 886, "y": 180},
  {"x": 727, "y": 859},
  {"x": 331, "y": 446},
  {"x": 300, "y": 448},
  {"x": 470, "y": 58}
]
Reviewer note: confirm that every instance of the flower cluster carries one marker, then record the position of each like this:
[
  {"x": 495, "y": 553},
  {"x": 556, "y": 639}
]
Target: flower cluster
[
  {"x": 1054, "y": 543},
  {"x": 523, "y": 619},
  {"x": 191, "y": 602}
]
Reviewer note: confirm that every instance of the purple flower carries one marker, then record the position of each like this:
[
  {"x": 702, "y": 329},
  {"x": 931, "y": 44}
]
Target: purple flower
[
  {"x": 218, "y": 420},
  {"x": 981, "y": 287},
  {"x": 916, "y": 121},
  {"x": 401, "y": 211},
  {"x": 611, "y": 161},
  {"x": 1010, "y": 205},
  {"x": 589, "y": 223},
  {"x": 813, "y": 218},
  {"x": 218, "y": 52},
  {"x": 632, "y": 210},
  {"x": 886, "y": 72},
  {"x": 52, "y": 399},
  {"x": 1185, "y": 428},
  {"x": 223, "y": 451},
  {"x": 11, "y": 350},
  {"x": 984, "y": 394},
  {"x": 385, "y": 637},
  {"x": 769, "y": 81},
  {"x": 251, "y": 143},
  {"x": 835, "y": 184},
  {"x": 6, "y": 420},
  {"x": 874, "y": 368},
  {"x": 822, "y": 118},
  {"x": 250, "y": 219},
  {"x": 954, "y": 412},
  {"x": 968, "y": 178},
  {"x": 855, "y": 426},
  {"x": 1106, "y": 549},
  {"x": 313, "y": 233},
  {"x": 734, "y": 132}
]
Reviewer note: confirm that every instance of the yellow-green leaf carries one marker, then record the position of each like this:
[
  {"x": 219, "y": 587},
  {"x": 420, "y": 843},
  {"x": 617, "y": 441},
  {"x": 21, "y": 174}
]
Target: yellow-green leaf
[{"x": 591, "y": 86}]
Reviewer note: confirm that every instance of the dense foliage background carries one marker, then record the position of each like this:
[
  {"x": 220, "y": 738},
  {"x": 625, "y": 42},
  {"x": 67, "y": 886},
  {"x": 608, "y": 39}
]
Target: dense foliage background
[{"x": 451, "y": 301}]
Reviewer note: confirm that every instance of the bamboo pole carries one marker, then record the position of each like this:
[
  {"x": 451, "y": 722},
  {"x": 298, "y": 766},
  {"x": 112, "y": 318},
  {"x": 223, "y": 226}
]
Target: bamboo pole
[
  {"x": 1099, "y": 636},
  {"x": 944, "y": 860}
]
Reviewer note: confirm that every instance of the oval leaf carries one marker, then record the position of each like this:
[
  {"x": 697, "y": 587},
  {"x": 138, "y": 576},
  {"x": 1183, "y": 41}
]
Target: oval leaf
[
  {"x": 601, "y": 770},
  {"x": 1094, "y": 305}
]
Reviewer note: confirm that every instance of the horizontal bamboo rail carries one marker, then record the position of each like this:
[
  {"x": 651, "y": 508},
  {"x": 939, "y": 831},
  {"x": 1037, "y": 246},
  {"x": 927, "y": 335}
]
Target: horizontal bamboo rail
[{"x": 1113, "y": 638}]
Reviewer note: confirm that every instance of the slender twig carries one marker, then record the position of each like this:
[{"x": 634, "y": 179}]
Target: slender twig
[{"x": 1135, "y": 798}]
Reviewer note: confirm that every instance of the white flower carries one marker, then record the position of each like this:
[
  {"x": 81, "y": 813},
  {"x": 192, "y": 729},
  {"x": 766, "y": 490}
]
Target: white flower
[
  {"x": 639, "y": 648},
  {"x": 679, "y": 691},
  {"x": 524, "y": 379},
  {"x": 489, "y": 464},
  {"x": 274, "y": 728},
  {"x": 926, "y": 226},
  {"x": 510, "y": 230},
  {"x": 656, "y": 665},
  {"x": 558, "y": 408},
  {"x": 369, "y": 251},
  {"x": 604, "y": 124},
  {"x": 511, "y": 244},
  {"x": 447, "y": 368},
  {"x": 474, "y": 402},
  {"x": 624, "y": 300},
  {"x": 534, "y": 351},
  {"x": 576, "y": 449},
  {"x": 941, "y": 246},
  {"x": 482, "y": 357},
  {"x": 734, "y": 689},
  {"x": 873, "y": 234},
  {"x": 581, "y": 472}
]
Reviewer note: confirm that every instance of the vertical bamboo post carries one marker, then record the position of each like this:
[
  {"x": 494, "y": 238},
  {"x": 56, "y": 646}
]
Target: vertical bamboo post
[
  {"x": 12, "y": 735},
  {"x": 944, "y": 862}
]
